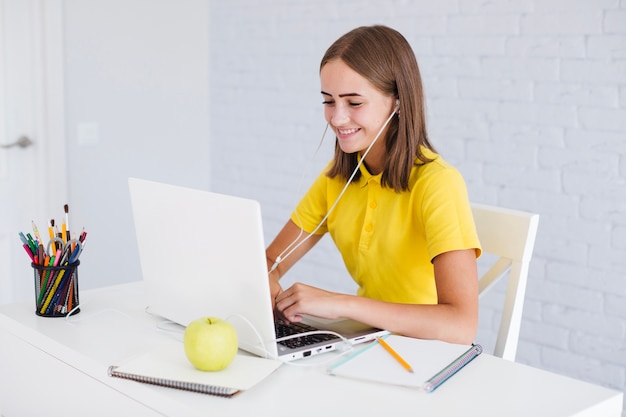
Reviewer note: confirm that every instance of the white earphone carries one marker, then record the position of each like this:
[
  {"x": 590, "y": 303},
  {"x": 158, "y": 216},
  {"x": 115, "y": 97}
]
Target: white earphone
[{"x": 291, "y": 248}]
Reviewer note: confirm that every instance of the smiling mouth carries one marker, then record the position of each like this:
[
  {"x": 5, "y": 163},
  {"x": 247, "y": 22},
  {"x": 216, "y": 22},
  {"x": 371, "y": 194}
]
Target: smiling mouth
[{"x": 345, "y": 132}]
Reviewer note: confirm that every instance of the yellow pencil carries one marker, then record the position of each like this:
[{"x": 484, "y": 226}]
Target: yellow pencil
[
  {"x": 395, "y": 354},
  {"x": 64, "y": 233},
  {"x": 53, "y": 291},
  {"x": 51, "y": 232}
]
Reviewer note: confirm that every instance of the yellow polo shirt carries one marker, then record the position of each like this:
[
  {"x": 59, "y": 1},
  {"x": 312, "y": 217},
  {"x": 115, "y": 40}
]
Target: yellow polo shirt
[{"x": 388, "y": 239}]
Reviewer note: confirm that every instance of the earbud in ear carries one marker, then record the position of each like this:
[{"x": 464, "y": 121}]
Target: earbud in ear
[{"x": 397, "y": 106}]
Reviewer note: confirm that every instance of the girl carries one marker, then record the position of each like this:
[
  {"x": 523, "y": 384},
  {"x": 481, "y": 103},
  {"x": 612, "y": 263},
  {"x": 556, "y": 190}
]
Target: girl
[{"x": 397, "y": 212}]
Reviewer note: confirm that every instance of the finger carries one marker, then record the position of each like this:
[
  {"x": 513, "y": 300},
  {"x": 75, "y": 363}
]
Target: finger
[
  {"x": 290, "y": 310},
  {"x": 295, "y": 319},
  {"x": 278, "y": 315},
  {"x": 275, "y": 296}
]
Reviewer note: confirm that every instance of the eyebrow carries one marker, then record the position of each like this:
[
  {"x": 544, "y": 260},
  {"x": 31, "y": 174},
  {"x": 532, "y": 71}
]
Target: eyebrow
[{"x": 343, "y": 95}]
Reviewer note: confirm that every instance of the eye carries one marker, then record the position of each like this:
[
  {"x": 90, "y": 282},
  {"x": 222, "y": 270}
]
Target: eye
[
  {"x": 328, "y": 102},
  {"x": 354, "y": 104}
]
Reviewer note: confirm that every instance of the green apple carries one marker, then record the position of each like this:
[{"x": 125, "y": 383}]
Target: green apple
[{"x": 210, "y": 343}]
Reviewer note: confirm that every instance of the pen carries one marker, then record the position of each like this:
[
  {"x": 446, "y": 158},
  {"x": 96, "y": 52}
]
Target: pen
[{"x": 395, "y": 354}]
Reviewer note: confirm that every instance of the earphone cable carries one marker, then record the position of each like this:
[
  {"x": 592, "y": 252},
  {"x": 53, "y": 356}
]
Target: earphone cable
[
  {"x": 293, "y": 246},
  {"x": 306, "y": 170}
]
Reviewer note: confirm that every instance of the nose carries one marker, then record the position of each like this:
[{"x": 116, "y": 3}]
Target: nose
[{"x": 338, "y": 115}]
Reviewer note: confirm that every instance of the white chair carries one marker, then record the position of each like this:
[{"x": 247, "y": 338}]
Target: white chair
[{"x": 510, "y": 235}]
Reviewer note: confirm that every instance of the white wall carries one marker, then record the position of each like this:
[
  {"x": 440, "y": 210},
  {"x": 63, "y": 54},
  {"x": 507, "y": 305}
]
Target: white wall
[
  {"x": 136, "y": 83},
  {"x": 527, "y": 98}
]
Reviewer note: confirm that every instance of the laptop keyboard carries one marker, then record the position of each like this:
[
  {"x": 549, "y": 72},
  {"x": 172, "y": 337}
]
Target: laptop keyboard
[{"x": 283, "y": 330}]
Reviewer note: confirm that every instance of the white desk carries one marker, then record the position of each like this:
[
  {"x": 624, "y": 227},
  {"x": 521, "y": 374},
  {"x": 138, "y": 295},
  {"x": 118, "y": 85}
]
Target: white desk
[{"x": 58, "y": 367}]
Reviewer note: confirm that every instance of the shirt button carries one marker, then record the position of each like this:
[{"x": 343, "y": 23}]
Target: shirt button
[
  {"x": 373, "y": 204},
  {"x": 369, "y": 228}
]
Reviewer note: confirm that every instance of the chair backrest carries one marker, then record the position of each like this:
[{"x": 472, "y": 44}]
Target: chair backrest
[{"x": 510, "y": 235}]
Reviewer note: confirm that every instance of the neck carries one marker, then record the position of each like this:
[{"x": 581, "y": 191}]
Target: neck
[{"x": 375, "y": 159}]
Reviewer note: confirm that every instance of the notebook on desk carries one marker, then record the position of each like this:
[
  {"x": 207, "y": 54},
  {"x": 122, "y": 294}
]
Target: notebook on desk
[
  {"x": 432, "y": 362},
  {"x": 203, "y": 254}
]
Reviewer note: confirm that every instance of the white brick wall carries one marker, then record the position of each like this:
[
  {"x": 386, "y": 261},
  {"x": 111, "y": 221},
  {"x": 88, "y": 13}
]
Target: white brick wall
[{"x": 526, "y": 97}]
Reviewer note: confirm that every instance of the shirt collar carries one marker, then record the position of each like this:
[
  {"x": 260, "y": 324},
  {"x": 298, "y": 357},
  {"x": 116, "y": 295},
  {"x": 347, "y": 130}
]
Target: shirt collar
[{"x": 366, "y": 176}]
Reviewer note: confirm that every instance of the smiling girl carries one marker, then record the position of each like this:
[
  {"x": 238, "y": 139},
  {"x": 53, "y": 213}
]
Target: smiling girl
[{"x": 398, "y": 213}]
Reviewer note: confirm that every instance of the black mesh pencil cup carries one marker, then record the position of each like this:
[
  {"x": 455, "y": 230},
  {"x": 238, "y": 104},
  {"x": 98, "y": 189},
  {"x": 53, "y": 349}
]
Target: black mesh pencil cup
[{"x": 56, "y": 290}]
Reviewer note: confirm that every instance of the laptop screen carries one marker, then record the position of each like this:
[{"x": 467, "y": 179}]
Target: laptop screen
[{"x": 202, "y": 254}]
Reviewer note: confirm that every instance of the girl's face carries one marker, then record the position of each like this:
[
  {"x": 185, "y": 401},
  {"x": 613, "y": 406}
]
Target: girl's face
[{"x": 355, "y": 110}]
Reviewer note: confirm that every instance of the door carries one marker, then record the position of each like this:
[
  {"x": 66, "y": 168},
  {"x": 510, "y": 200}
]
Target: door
[{"x": 33, "y": 176}]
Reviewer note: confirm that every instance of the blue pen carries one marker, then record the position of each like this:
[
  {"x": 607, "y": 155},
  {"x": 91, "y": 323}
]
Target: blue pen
[
  {"x": 53, "y": 302},
  {"x": 76, "y": 253}
]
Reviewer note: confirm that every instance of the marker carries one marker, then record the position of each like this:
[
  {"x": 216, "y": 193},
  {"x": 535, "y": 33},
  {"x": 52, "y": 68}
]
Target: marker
[
  {"x": 24, "y": 240},
  {"x": 28, "y": 251},
  {"x": 395, "y": 354},
  {"x": 28, "y": 241},
  {"x": 32, "y": 243}
]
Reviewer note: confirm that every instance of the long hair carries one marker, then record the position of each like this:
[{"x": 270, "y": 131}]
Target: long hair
[{"x": 384, "y": 57}]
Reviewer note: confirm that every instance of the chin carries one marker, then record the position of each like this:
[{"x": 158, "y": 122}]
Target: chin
[{"x": 350, "y": 148}]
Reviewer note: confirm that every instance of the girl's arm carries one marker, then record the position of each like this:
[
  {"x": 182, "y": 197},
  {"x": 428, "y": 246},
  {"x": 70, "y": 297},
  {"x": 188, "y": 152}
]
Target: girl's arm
[
  {"x": 290, "y": 233},
  {"x": 454, "y": 318}
]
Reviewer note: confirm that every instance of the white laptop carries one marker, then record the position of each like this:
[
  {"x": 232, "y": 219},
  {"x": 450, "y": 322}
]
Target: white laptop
[{"x": 202, "y": 254}]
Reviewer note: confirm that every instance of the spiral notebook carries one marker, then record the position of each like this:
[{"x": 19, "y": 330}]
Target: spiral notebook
[
  {"x": 433, "y": 362},
  {"x": 167, "y": 366}
]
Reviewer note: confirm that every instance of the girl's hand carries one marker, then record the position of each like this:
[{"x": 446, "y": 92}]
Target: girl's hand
[
  {"x": 304, "y": 299},
  {"x": 275, "y": 289}
]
